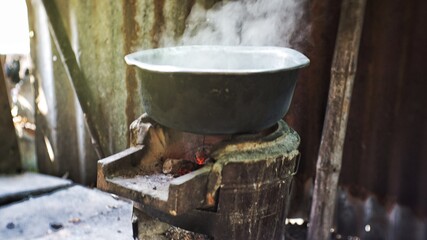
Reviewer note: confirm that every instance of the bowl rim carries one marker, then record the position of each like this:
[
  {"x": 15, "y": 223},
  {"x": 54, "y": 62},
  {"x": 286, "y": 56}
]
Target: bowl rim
[{"x": 300, "y": 60}]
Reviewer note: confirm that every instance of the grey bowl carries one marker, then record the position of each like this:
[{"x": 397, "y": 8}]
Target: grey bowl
[{"x": 217, "y": 89}]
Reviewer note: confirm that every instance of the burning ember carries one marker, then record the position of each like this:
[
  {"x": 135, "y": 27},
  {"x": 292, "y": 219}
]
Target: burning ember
[
  {"x": 201, "y": 156},
  {"x": 179, "y": 167}
]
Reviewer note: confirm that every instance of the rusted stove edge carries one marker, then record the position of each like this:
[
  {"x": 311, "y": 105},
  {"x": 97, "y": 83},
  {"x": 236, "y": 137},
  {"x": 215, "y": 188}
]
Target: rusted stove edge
[
  {"x": 111, "y": 164},
  {"x": 189, "y": 186}
]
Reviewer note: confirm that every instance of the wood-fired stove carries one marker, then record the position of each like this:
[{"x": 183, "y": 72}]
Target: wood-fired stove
[{"x": 240, "y": 192}]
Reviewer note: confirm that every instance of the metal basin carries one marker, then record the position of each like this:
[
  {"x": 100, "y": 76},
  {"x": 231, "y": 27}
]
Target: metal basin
[{"x": 217, "y": 89}]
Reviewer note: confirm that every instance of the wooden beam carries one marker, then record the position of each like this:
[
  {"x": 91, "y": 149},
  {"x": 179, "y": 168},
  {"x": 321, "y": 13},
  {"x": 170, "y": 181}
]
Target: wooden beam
[
  {"x": 72, "y": 68},
  {"x": 331, "y": 147},
  {"x": 10, "y": 159}
]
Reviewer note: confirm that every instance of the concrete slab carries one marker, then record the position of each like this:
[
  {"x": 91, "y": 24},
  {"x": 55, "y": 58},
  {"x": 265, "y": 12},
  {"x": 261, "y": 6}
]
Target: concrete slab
[
  {"x": 16, "y": 187},
  {"x": 72, "y": 213}
]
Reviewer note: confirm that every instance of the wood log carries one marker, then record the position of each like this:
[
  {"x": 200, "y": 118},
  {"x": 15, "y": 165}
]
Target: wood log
[{"x": 178, "y": 167}]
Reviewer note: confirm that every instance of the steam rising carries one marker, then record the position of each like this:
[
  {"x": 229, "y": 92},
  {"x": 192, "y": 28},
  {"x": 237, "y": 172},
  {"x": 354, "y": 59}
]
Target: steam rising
[{"x": 244, "y": 22}]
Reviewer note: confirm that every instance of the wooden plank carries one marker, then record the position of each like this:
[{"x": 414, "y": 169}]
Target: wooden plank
[
  {"x": 72, "y": 68},
  {"x": 331, "y": 147},
  {"x": 10, "y": 161},
  {"x": 16, "y": 187},
  {"x": 72, "y": 213}
]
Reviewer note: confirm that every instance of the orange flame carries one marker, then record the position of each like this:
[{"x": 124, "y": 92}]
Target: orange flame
[{"x": 201, "y": 157}]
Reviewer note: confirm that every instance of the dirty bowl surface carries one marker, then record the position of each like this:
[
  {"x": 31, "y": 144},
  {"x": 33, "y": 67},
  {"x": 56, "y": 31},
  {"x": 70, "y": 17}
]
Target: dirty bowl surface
[{"x": 217, "y": 89}]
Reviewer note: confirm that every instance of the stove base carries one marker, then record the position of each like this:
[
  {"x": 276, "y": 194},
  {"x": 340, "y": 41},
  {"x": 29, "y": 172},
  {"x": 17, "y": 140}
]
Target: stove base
[{"x": 242, "y": 194}]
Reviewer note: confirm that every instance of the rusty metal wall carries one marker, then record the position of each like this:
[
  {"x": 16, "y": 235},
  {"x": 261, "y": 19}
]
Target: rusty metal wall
[
  {"x": 385, "y": 154},
  {"x": 101, "y": 34},
  {"x": 384, "y": 150},
  {"x": 60, "y": 132}
]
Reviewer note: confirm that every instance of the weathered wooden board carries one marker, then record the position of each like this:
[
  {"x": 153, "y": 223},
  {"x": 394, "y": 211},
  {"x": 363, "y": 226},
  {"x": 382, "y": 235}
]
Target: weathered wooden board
[
  {"x": 76, "y": 212},
  {"x": 15, "y": 187}
]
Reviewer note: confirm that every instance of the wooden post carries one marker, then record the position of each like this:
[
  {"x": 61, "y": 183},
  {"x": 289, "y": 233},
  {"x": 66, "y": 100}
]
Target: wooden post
[
  {"x": 331, "y": 147},
  {"x": 68, "y": 58},
  {"x": 10, "y": 160}
]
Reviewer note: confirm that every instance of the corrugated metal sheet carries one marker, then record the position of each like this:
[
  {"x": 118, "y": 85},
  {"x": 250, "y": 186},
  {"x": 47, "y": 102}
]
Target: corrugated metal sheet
[
  {"x": 385, "y": 149},
  {"x": 384, "y": 162},
  {"x": 387, "y": 131},
  {"x": 369, "y": 218},
  {"x": 101, "y": 34}
]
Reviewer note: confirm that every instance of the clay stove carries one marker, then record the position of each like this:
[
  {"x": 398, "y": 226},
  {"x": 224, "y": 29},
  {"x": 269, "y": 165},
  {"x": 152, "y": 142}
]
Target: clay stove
[{"x": 223, "y": 180}]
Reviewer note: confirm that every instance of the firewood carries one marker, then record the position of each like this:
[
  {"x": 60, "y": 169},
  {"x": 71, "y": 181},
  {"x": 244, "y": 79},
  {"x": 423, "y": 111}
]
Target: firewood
[{"x": 178, "y": 167}]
